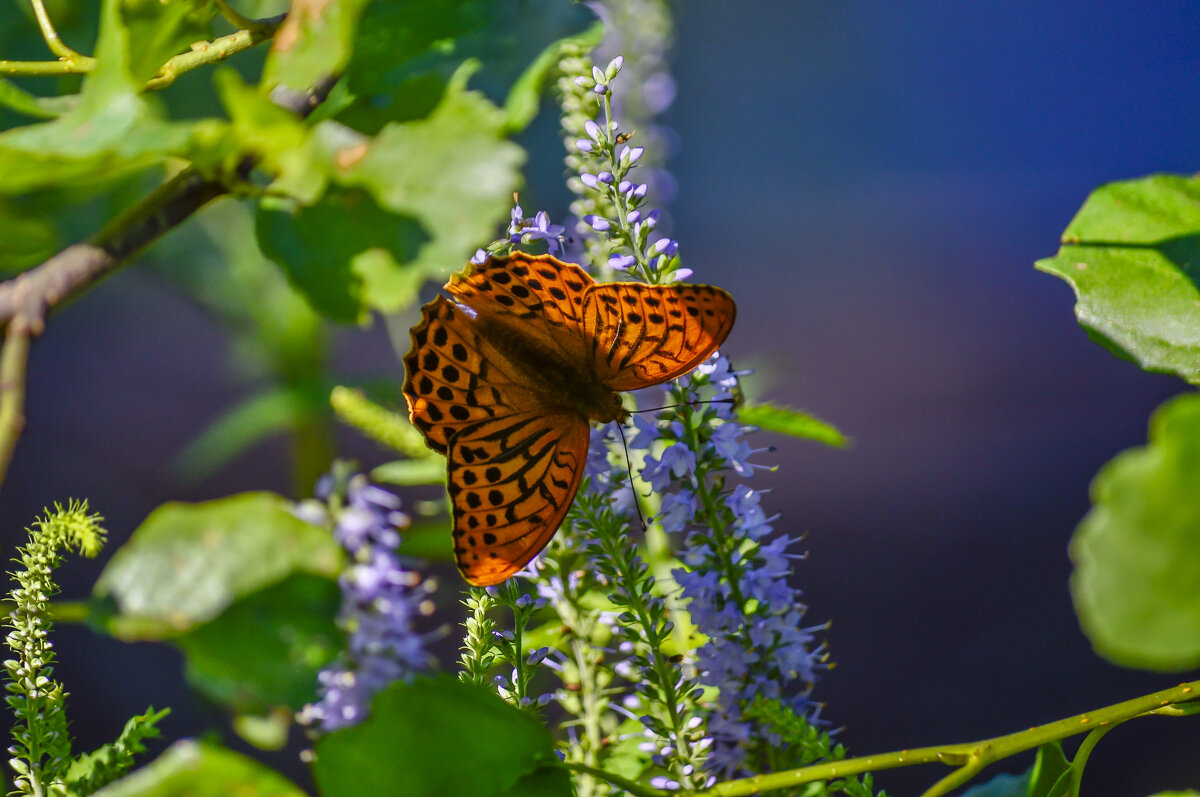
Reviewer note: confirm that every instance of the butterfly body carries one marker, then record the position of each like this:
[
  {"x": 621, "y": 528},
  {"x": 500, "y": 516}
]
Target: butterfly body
[{"x": 504, "y": 377}]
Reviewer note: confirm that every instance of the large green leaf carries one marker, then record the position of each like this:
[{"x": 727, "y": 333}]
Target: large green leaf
[
  {"x": 314, "y": 43},
  {"x": 344, "y": 253},
  {"x": 28, "y": 237},
  {"x": 1137, "y": 553},
  {"x": 188, "y": 562},
  {"x": 1132, "y": 255},
  {"x": 111, "y": 130},
  {"x": 265, "y": 650},
  {"x": 194, "y": 769},
  {"x": 453, "y": 171},
  {"x": 438, "y": 736},
  {"x": 407, "y": 51}
]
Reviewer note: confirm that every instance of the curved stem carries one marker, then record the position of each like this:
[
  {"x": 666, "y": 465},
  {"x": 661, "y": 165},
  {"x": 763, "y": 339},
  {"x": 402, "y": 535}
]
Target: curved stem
[
  {"x": 56, "y": 45},
  {"x": 1085, "y": 750},
  {"x": 970, "y": 757},
  {"x": 14, "y": 355},
  {"x": 213, "y": 52}
]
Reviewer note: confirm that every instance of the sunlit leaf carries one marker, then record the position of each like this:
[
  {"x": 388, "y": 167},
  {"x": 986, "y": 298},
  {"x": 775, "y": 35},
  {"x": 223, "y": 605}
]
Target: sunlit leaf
[
  {"x": 1132, "y": 255},
  {"x": 1137, "y": 563},
  {"x": 314, "y": 43},
  {"x": 421, "y": 733},
  {"x": 194, "y": 769},
  {"x": 188, "y": 562}
]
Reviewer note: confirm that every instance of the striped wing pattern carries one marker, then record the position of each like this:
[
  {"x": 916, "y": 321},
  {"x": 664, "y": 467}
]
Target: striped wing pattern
[
  {"x": 512, "y": 480},
  {"x": 643, "y": 335}
]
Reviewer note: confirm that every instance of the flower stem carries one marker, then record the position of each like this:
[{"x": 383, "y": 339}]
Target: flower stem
[
  {"x": 56, "y": 45},
  {"x": 970, "y": 757},
  {"x": 629, "y": 786}
]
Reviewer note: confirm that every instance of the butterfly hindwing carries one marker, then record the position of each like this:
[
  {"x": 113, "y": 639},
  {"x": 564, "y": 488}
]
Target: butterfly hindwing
[
  {"x": 642, "y": 335},
  {"x": 511, "y": 481}
]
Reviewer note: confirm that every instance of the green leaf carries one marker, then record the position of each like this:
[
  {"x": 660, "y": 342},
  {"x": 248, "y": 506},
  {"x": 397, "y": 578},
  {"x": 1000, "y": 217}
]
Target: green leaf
[
  {"x": 1051, "y": 773},
  {"x": 195, "y": 769},
  {"x": 407, "y": 52},
  {"x": 21, "y": 101},
  {"x": 28, "y": 237},
  {"x": 439, "y": 736},
  {"x": 343, "y": 254},
  {"x": 795, "y": 423},
  {"x": 1003, "y": 785},
  {"x": 111, "y": 130},
  {"x": 1132, "y": 255},
  {"x": 187, "y": 563},
  {"x": 314, "y": 43},
  {"x": 428, "y": 540},
  {"x": 407, "y": 472},
  {"x": 266, "y": 649},
  {"x": 452, "y": 171},
  {"x": 243, "y": 425},
  {"x": 1136, "y": 583}
]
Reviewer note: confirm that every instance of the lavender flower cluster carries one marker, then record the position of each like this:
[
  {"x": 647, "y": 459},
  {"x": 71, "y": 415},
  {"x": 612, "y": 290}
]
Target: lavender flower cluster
[{"x": 381, "y": 601}]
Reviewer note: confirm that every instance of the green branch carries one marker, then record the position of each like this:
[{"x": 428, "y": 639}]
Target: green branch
[
  {"x": 56, "y": 45},
  {"x": 213, "y": 52},
  {"x": 970, "y": 757},
  {"x": 629, "y": 786}
]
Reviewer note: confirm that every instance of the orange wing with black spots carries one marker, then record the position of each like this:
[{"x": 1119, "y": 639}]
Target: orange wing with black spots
[
  {"x": 643, "y": 335},
  {"x": 504, "y": 377},
  {"x": 511, "y": 482}
]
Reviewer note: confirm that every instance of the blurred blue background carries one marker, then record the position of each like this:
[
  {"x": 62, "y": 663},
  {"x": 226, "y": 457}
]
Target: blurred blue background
[{"x": 872, "y": 181}]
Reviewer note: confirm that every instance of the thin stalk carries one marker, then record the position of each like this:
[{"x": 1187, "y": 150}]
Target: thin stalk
[{"x": 56, "y": 44}]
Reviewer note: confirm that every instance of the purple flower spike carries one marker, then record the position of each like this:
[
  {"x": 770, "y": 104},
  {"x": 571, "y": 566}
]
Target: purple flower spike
[
  {"x": 681, "y": 274},
  {"x": 621, "y": 262},
  {"x": 588, "y": 179},
  {"x": 659, "y": 246},
  {"x": 583, "y": 145},
  {"x": 633, "y": 216},
  {"x": 594, "y": 131},
  {"x": 640, "y": 191},
  {"x": 632, "y": 154}
]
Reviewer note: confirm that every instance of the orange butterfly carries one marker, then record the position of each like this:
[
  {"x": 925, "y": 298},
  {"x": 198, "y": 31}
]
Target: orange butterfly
[{"x": 504, "y": 377}]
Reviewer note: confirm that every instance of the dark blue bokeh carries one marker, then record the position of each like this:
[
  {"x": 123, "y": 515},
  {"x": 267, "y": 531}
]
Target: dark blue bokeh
[{"x": 873, "y": 182}]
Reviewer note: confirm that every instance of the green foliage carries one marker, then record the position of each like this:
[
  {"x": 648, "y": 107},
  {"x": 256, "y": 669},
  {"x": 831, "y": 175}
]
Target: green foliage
[
  {"x": 189, "y": 562},
  {"x": 1137, "y": 566},
  {"x": 94, "y": 770},
  {"x": 29, "y": 236},
  {"x": 440, "y": 736},
  {"x": 478, "y": 652},
  {"x": 794, "y": 423},
  {"x": 194, "y": 769},
  {"x": 1132, "y": 255},
  {"x": 378, "y": 423}
]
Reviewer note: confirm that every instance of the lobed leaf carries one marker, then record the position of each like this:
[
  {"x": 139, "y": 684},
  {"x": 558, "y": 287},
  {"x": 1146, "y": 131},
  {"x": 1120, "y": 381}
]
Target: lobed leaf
[
  {"x": 439, "y": 736},
  {"x": 313, "y": 44},
  {"x": 199, "y": 769},
  {"x": 187, "y": 563},
  {"x": 1132, "y": 256},
  {"x": 1136, "y": 583},
  {"x": 264, "y": 651}
]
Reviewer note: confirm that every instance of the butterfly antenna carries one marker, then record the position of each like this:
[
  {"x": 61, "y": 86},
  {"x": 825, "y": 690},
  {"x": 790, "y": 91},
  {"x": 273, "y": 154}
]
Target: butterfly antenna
[
  {"x": 688, "y": 404},
  {"x": 637, "y": 504}
]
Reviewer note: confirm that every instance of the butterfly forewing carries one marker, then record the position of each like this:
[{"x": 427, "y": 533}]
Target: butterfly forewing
[
  {"x": 541, "y": 296},
  {"x": 512, "y": 480},
  {"x": 643, "y": 335},
  {"x": 453, "y": 377}
]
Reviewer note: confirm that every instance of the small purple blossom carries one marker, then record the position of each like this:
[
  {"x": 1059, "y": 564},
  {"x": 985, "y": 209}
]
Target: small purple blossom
[
  {"x": 621, "y": 262},
  {"x": 677, "y": 462}
]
